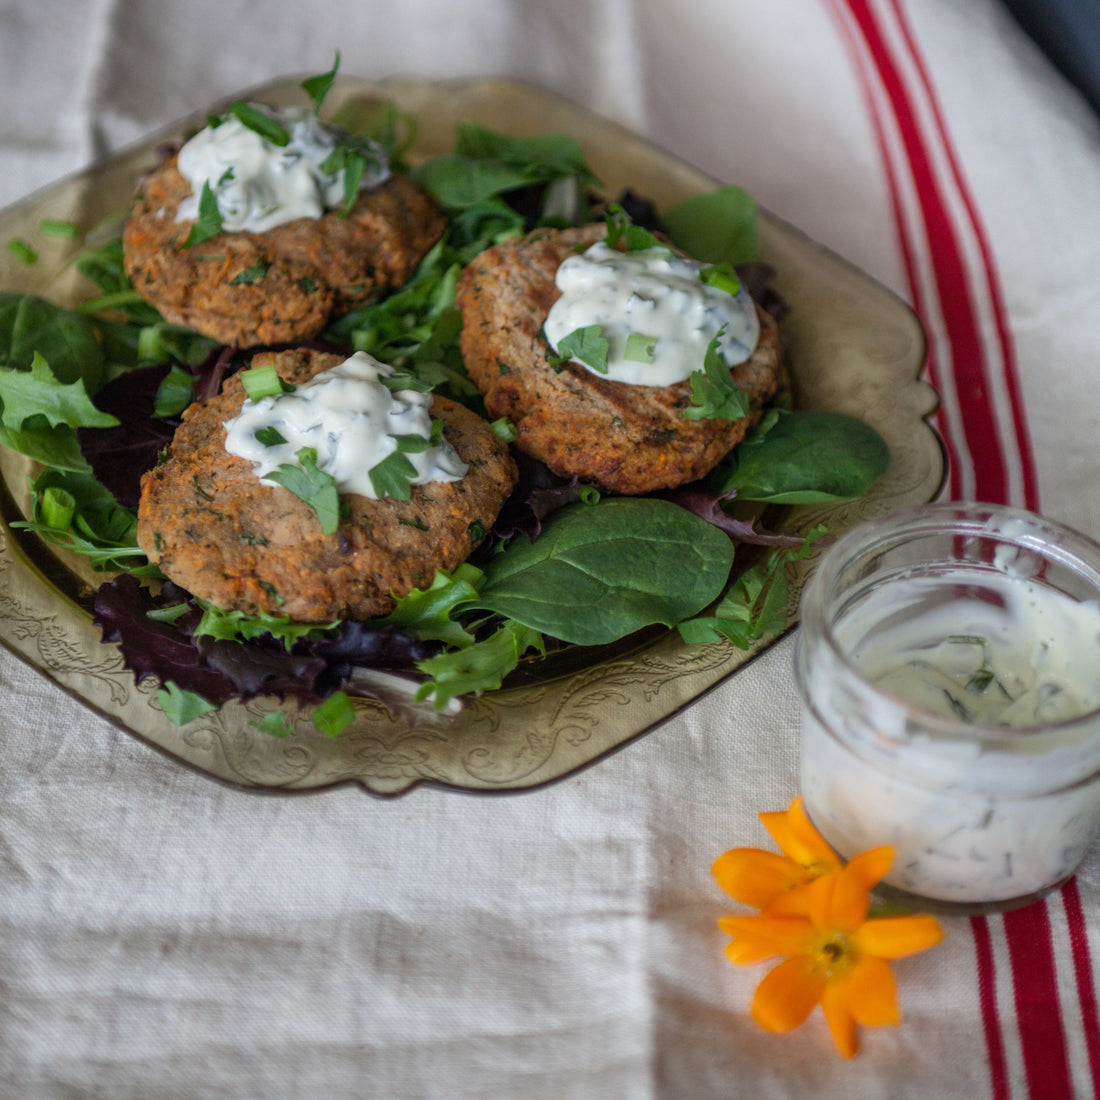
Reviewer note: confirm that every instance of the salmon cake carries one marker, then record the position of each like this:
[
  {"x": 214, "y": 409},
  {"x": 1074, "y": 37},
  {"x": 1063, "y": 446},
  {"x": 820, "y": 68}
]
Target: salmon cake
[
  {"x": 627, "y": 438},
  {"x": 280, "y": 283},
  {"x": 215, "y": 528}
]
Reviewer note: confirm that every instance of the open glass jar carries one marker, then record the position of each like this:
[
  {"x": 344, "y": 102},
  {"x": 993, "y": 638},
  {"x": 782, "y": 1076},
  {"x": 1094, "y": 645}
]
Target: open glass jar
[{"x": 949, "y": 667}]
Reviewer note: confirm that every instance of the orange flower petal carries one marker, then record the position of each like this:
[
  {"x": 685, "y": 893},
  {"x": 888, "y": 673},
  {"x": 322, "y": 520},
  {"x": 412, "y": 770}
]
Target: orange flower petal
[
  {"x": 796, "y": 836},
  {"x": 838, "y": 902},
  {"x": 787, "y": 995},
  {"x": 842, "y": 1024},
  {"x": 870, "y": 992},
  {"x": 871, "y": 867},
  {"x": 761, "y": 937},
  {"x": 755, "y": 877},
  {"x": 897, "y": 937}
]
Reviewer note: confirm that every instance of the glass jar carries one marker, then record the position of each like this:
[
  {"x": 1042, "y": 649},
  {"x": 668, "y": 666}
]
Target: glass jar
[{"x": 949, "y": 666}]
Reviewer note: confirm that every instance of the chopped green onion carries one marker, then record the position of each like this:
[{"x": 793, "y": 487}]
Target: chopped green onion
[
  {"x": 52, "y": 227},
  {"x": 721, "y": 276},
  {"x": 22, "y": 251},
  {"x": 505, "y": 429},
  {"x": 58, "y": 507},
  {"x": 261, "y": 382},
  {"x": 275, "y": 724},
  {"x": 639, "y": 348}
]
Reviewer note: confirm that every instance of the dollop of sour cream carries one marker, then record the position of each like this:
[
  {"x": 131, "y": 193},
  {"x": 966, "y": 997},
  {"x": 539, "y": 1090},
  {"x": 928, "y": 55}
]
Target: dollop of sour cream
[
  {"x": 258, "y": 184},
  {"x": 351, "y": 419},
  {"x": 659, "y": 298}
]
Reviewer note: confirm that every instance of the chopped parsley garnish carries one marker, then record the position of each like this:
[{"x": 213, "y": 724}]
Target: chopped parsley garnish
[
  {"x": 392, "y": 476},
  {"x": 587, "y": 344},
  {"x": 261, "y": 123},
  {"x": 314, "y": 486},
  {"x": 714, "y": 393},
  {"x": 317, "y": 87},
  {"x": 634, "y": 237},
  {"x": 270, "y": 437},
  {"x": 209, "y": 222},
  {"x": 251, "y": 274}
]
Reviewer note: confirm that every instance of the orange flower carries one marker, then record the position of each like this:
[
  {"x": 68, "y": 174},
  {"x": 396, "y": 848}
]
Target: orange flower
[
  {"x": 755, "y": 877},
  {"x": 834, "y": 955}
]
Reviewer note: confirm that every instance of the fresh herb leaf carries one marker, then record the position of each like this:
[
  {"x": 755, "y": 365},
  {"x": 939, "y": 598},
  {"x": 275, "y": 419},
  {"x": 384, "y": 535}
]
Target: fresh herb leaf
[
  {"x": 251, "y": 275},
  {"x": 621, "y": 230},
  {"x": 599, "y": 572},
  {"x": 181, "y": 706},
  {"x": 209, "y": 222},
  {"x": 175, "y": 393},
  {"x": 714, "y": 393},
  {"x": 314, "y": 486},
  {"x": 809, "y": 456},
  {"x": 270, "y": 437},
  {"x": 479, "y": 667},
  {"x": 37, "y": 393},
  {"x": 334, "y": 715},
  {"x": 260, "y": 122},
  {"x": 425, "y": 614},
  {"x": 392, "y": 476},
  {"x": 718, "y": 226},
  {"x": 588, "y": 345},
  {"x": 317, "y": 87}
]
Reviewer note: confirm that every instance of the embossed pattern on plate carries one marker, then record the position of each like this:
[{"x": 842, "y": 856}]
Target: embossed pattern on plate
[{"x": 852, "y": 346}]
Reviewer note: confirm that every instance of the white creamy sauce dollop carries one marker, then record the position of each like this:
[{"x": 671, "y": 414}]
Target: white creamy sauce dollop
[
  {"x": 350, "y": 418},
  {"x": 652, "y": 293},
  {"x": 1012, "y": 653},
  {"x": 258, "y": 184}
]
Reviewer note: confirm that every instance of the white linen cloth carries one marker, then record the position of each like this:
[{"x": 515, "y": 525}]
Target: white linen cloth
[{"x": 163, "y": 935}]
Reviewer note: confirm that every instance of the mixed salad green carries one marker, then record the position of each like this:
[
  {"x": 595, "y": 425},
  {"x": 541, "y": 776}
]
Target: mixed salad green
[{"x": 93, "y": 393}]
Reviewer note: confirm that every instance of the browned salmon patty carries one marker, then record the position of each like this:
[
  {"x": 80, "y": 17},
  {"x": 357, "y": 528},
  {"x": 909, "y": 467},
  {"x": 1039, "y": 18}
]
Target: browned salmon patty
[
  {"x": 215, "y": 529},
  {"x": 626, "y": 438},
  {"x": 280, "y": 286}
]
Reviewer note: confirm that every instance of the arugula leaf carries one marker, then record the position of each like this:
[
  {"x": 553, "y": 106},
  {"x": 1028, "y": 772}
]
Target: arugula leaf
[
  {"x": 182, "y": 706},
  {"x": 809, "y": 456},
  {"x": 37, "y": 392},
  {"x": 314, "y": 486},
  {"x": 479, "y": 667},
  {"x": 718, "y": 226},
  {"x": 598, "y": 572},
  {"x": 334, "y": 715},
  {"x": 425, "y": 614},
  {"x": 317, "y": 87},
  {"x": 260, "y": 122},
  {"x": 587, "y": 344},
  {"x": 714, "y": 393},
  {"x": 756, "y": 604},
  {"x": 235, "y": 626},
  {"x": 209, "y": 222}
]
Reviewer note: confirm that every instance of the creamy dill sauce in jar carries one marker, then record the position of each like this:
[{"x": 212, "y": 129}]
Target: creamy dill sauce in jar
[
  {"x": 258, "y": 184},
  {"x": 949, "y": 665},
  {"x": 659, "y": 299},
  {"x": 351, "y": 419}
]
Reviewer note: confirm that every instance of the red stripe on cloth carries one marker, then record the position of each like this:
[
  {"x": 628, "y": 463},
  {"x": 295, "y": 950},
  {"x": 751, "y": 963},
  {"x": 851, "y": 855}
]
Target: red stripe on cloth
[
  {"x": 1082, "y": 970},
  {"x": 987, "y": 995},
  {"x": 1043, "y": 1042},
  {"x": 1010, "y": 376},
  {"x": 949, "y": 270}
]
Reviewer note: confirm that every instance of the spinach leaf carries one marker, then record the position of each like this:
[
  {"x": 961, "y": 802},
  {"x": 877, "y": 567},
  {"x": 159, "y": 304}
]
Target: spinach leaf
[
  {"x": 599, "y": 572},
  {"x": 809, "y": 456},
  {"x": 717, "y": 226},
  {"x": 63, "y": 337}
]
